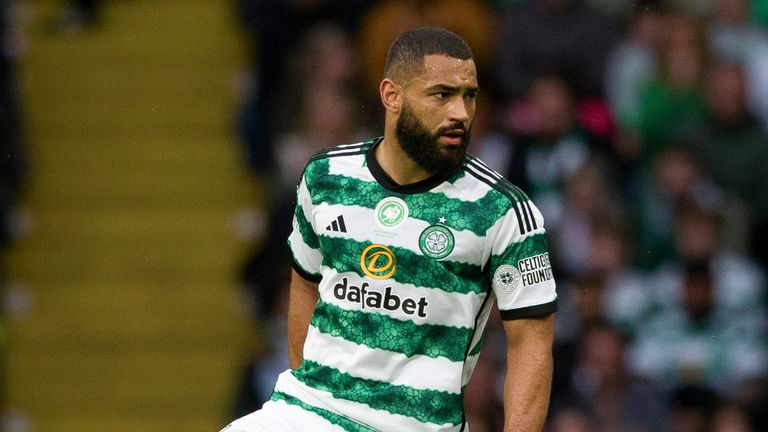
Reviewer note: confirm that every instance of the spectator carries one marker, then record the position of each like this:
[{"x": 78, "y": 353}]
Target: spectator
[
  {"x": 274, "y": 32},
  {"x": 710, "y": 320},
  {"x": 490, "y": 140},
  {"x": 604, "y": 392},
  {"x": 541, "y": 35},
  {"x": 632, "y": 63},
  {"x": 759, "y": 13},
  {"x": 327, "y": 102},
  {"x": 675, "y": 98},
  {"x": 676, "y": 179},
  {"x": 551, "y": 145},
  {"x": 591, "y": 200},
  {"x": 625, "y": 301},
  {"x": 693, "y": 408},
  {"x": 731, "y": 417},
  {"x": 733, "y": 148},
  {"x": 734, "y": 37}
]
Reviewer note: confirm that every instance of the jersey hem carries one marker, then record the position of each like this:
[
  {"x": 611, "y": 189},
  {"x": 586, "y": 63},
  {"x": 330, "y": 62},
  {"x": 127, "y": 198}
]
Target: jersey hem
[
  {"x": 305, "y": 274},
  {"x": 534, "y": 311}
]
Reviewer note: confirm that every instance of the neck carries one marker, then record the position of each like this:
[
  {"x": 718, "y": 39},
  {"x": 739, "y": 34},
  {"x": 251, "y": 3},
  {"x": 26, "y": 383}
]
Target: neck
[{"x": 397, "y": 164}]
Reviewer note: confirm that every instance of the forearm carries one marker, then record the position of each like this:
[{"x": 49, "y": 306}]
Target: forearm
[{"x": 527, "y": 383}]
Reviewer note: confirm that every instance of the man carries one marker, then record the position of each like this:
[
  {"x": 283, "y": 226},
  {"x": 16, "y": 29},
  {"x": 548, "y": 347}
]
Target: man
[{"x": 400, "y": 246}]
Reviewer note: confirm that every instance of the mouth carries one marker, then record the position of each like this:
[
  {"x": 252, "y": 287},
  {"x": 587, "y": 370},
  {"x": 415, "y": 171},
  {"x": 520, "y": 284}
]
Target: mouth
[{"x": 453, "y": 137}]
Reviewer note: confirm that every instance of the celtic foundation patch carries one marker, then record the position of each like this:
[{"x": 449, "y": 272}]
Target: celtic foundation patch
[{"x": 506, "y": 278}]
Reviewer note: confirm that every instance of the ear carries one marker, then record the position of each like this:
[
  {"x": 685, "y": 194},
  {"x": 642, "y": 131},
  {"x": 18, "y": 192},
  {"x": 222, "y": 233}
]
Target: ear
[{"x": 391, "y": 95}]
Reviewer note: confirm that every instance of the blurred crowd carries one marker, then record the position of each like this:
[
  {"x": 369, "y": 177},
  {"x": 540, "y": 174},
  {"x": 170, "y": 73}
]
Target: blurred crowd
[
  {"x": 13, "y": 157},
  {"x": 640, "y": 129}
]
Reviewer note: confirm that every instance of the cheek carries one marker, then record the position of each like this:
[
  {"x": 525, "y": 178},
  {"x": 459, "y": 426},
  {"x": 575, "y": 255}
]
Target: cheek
[
  {"x": 430, "y": 116},
  {"x": 471, "y": 110}
]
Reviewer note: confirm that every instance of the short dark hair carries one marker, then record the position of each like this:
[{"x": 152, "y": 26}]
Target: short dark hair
[{"x": 406, "y": 55}]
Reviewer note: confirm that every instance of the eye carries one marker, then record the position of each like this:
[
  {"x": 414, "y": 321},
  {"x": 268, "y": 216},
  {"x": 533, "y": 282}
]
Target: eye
[{"x": 442, "y": 95}]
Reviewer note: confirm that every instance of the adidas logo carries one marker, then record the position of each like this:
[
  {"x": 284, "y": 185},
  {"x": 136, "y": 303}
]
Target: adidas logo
[{"x": 337, "y": 225}]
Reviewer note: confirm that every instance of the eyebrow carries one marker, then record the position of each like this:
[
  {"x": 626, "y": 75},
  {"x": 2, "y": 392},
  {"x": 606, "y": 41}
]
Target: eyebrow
[{"x": 452, "y": 89}]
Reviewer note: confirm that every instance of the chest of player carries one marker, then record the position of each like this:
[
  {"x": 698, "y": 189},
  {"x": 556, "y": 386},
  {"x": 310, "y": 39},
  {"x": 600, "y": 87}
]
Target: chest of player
[{"x": 416, "y": 236}]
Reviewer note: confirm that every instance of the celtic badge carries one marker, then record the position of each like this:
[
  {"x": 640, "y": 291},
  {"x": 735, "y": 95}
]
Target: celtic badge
[{"x": 436, "y": 241}]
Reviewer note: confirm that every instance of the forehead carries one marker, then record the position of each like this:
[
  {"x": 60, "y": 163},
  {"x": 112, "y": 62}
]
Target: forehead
[{"x": 445, "y": 70}]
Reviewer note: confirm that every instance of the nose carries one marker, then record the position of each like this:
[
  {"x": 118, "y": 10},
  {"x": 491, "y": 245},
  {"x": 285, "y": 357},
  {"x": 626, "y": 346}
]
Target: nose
[{"x": 459, "y": 111}]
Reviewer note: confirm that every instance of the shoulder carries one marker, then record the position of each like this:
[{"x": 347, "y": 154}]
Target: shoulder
[
  {"x": 501, "y": 199},
  {"x": 481, "y": 174},
  {"x": 319, "y": 163}
]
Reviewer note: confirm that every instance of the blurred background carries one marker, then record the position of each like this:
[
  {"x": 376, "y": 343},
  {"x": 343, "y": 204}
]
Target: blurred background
[{"x": 149, "y": 153}]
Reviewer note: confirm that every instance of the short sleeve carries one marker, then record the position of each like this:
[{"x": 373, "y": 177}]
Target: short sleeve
[
  {"x": 519, "y": 267},
  {"x": 303, "y": 241}
]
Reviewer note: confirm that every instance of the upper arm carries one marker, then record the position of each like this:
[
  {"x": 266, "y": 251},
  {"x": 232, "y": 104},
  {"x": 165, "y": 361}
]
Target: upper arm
[
  {"x": 530, "y": 334},
  {"x": 303, "y": 297},
  {"x": 301, "y": 305},
  {"x": 303, "y": 286}
]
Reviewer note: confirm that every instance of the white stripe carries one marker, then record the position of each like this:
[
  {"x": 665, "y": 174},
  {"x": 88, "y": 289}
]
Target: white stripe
[
  {"x": 344, "y": 149},
  {"x": 357, "y": 144},
  {"x": 524, "y": 205},
  {"x": 480, "y": 173},
  {"x": 466, "y": 188},
  {"x": 282, "y": 416},
  {"x": 506, "y": 232},
  {"x": 526, "y": 224},
  {"x": 304, "y": 199},
  {"x": 481, "y": 166},
  {"x": 352, "y": 166},
  {"x": 380, "y": 365},
  {"x": 361, "y": 413},
  {"x": 463, "y": 307},
  {"x": 307, "y": 258}
]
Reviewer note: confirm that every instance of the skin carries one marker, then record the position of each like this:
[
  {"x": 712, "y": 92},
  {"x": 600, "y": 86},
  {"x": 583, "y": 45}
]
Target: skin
[
  {"x": 528, "y": 378},
  {"x": 439, "y": 96},
  {"x": 444, "y": 93}
]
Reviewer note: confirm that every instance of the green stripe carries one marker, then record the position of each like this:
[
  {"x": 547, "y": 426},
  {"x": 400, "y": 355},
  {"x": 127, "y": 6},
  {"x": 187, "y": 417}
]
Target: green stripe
[
  {"x": 532, "y": 245},
  {"x": 428, "y": 406},
  {"x": 343, "y": 422},
  {"x": 316, "y": 169},
  {"x": 380, "y": 331},
  {"x": 412, "y": 268},
  {"x": 305, "y": 229},
  {"x": 475, "y": 216}
]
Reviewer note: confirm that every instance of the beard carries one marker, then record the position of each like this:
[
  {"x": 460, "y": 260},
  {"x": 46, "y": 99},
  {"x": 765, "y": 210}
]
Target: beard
[{"x": 424, "y": 147}]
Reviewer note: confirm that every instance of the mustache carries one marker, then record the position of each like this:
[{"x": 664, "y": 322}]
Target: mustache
[{"x": 452, "y": 127}]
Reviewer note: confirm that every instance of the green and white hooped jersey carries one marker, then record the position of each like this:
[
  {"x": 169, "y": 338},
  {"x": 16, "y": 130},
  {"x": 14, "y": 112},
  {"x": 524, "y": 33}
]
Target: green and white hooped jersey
[{"x": 407, "y": 278}]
